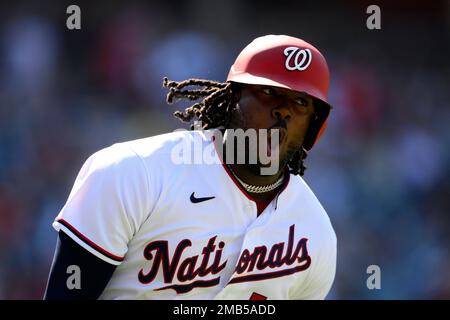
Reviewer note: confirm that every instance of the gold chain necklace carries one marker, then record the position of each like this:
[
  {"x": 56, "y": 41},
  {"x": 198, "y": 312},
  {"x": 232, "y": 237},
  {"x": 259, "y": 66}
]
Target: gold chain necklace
[{"x": 258, "y": 189}]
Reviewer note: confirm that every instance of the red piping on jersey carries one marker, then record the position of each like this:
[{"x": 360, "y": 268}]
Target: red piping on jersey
[
  {"x": 89, "y": 242},
  {"x": 282, "y": 189},
  {"x": 230, "y": 174},
  {"x": 261, "y": 205},
  {"x": 238, "y": 184}
]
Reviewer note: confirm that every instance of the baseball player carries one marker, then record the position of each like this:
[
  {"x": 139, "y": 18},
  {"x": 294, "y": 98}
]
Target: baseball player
[{"x": 139, "y": 224}]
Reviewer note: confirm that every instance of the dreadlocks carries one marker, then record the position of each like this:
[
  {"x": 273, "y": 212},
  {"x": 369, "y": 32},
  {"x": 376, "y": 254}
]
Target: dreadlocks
[{"x": 216, "y": 109}]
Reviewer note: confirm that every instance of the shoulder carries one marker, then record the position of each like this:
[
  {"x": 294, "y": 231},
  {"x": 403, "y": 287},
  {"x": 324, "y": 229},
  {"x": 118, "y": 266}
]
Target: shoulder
[
  {"x": 167, "y": 155},
  {"x": 112, "y": 170},
  {"x": 314, "y": 212},
  {"x": 159, "y": 146},
  {"x": 152, "y": 157},
  {"x": 164, "y": 145}
]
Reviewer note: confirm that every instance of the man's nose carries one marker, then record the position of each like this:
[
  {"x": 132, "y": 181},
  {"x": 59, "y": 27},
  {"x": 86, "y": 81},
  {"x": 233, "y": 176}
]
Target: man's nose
[{"x": 282, "y": 112}]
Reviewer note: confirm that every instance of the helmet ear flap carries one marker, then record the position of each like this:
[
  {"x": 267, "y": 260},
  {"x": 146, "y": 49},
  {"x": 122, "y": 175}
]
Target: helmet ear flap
[
  {"x": 322, "y": 130},
  {"x": 318, "y": 123}
]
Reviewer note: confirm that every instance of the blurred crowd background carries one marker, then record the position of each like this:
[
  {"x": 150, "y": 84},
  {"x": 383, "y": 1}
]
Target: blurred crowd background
[{"x": 381, "y": 170}]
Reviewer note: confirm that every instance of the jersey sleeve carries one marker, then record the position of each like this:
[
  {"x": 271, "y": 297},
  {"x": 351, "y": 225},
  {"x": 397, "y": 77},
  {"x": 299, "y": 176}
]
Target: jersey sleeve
[{"x": 109, "y": 201}]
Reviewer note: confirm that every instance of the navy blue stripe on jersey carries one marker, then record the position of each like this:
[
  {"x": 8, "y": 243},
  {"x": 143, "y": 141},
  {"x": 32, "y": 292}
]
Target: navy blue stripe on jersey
[{"x": 89, "y": 242}]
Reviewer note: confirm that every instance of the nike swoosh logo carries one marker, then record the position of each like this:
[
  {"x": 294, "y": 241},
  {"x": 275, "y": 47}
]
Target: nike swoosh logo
[{"x": 197, "y": 200}]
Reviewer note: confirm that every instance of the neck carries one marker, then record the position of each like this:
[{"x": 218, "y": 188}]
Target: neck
[
  {"x": 260, "y": 192},
  {"x": 250, "y": 174},
  {"x": 247, "y": 174}
]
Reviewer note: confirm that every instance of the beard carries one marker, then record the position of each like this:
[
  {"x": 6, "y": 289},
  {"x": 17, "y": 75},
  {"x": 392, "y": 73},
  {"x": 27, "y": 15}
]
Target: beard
[
  {"x": 290, "y": 153},
  {"x": 284, "y": 158}
]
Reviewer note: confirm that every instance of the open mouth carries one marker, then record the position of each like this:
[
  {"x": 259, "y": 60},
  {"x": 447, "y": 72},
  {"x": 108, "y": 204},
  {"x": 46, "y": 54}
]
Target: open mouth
[{"x": 282, "y": 135}]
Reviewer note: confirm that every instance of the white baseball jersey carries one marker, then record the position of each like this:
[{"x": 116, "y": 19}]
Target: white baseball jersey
[{"x": 189, "y": 231}]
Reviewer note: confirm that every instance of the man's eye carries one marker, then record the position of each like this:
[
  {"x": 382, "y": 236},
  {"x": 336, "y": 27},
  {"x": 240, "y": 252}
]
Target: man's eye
[
  {"x": 301, "y": 101},
  {"x": 269, "y": 91}
]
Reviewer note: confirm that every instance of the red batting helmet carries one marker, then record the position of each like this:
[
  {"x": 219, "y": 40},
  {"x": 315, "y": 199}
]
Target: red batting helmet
[{"x": 287, "y": 62}]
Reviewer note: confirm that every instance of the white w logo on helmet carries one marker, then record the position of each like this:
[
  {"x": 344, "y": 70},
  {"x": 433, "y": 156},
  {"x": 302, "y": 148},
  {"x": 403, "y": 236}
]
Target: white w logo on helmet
[{"x": 298, "y": 64}]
